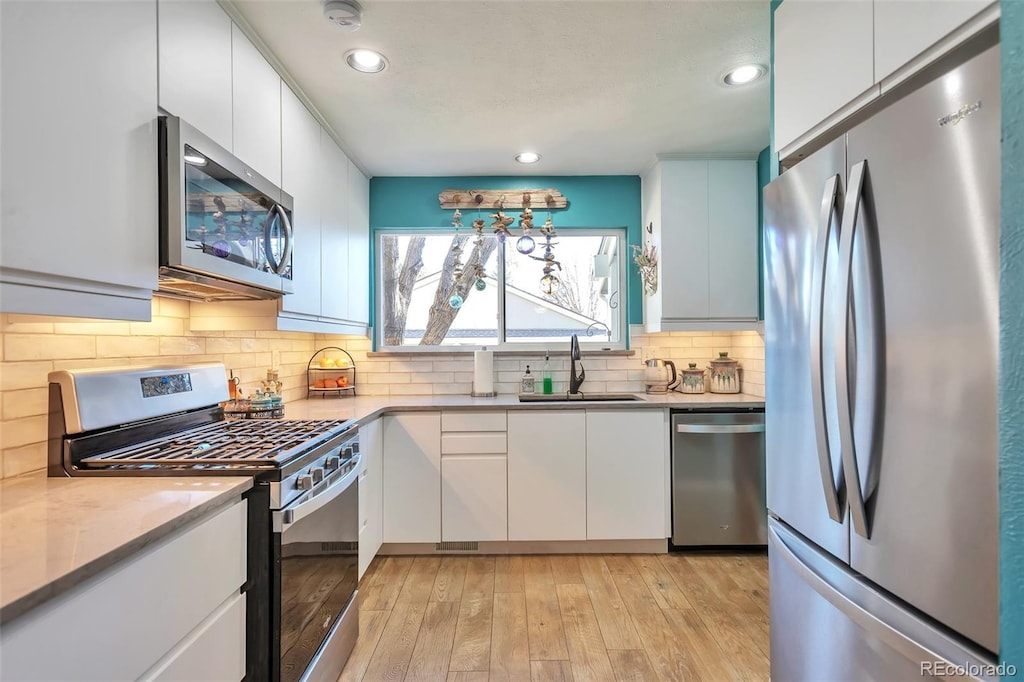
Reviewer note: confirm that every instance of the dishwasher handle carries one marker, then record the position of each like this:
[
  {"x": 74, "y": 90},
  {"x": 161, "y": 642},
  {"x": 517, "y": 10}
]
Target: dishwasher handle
[{"x": 720, "y": 428}]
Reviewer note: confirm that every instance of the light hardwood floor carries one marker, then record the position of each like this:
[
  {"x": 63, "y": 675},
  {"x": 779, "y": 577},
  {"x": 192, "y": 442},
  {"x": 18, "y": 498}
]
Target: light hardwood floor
[{"x": 587, "y": 618}]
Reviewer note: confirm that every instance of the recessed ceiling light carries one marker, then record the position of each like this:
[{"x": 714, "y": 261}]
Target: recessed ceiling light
[
  {"x": 528, "y": 157},
  {"x": 366, "y": 61},
  {"x": 741, "y": 75}
]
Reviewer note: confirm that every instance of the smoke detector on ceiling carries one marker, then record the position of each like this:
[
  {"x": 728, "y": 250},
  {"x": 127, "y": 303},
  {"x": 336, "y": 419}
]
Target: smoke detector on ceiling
[{"x": 345, "y": 14}]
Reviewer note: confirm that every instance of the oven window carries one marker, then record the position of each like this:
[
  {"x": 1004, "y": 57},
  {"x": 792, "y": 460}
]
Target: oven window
[{"x": 319, "y": 572}]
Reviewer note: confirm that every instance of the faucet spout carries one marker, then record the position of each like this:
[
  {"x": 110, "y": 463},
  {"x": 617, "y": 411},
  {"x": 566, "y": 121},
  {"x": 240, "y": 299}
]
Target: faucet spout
[{"x": 575, "y": 381}]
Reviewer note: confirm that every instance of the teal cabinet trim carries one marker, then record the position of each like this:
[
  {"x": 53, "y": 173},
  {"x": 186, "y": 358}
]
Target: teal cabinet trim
[
  {"x": 773, "y": 154},
  {"x": 594, "y": 201},
  {"x": 1011, "y": 334},
  {"x": 764, "y": 176}
]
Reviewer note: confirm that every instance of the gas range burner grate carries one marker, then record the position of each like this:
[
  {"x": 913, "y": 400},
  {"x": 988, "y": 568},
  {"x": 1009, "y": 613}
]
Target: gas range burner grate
[{"x": 224, "y": 444}]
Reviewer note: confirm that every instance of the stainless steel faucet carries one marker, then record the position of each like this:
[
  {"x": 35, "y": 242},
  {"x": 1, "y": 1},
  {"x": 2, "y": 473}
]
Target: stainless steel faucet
[{"x": 574, "y": 356}]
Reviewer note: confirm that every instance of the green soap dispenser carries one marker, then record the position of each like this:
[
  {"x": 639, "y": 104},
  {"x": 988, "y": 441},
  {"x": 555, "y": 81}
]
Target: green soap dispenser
[{"x": 547, "y": 375}]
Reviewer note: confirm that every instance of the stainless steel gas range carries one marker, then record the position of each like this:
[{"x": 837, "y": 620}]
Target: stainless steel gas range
[{"x": 302, "y": 603}]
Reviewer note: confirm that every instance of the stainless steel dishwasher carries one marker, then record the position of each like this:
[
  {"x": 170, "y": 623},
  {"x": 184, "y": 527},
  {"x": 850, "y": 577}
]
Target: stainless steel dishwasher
[{"x": 718, "y": 488}]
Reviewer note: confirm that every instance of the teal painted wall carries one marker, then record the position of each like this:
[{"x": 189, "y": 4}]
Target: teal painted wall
[
  {"x": 594, "y": 201},
  {"x": 1011, "y": 335}
]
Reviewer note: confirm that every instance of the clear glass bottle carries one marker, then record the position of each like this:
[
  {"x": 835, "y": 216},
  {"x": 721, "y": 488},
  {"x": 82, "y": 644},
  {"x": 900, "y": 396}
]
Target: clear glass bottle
[
  {"x": 527, "y": 385},
  {"x": 548, "y": 387}
]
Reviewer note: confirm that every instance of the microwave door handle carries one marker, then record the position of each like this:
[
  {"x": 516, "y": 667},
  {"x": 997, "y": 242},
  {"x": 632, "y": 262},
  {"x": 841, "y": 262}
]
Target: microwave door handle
[
  {"x": 277, "y": 266},
  {"x": 284, "y": 519},
  {"x": 286, "y": 224}
]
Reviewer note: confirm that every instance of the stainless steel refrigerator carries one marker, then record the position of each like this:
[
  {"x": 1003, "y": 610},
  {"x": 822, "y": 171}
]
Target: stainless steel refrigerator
[{"x": 881, "y": 339}]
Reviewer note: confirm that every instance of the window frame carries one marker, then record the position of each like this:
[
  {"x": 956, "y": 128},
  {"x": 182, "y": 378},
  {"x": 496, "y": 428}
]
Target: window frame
[{"x": 598, "y": 340}]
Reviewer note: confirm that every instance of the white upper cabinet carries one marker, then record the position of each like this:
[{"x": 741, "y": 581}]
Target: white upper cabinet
[
  {"x": 256, "y": 107},
  {"x": 833, "y": 57},
  {"x": 823, "y": 60},
  {"x": 334, "y": 225},
  {"x": 300, "y": 177},
  {"x": 195, "y": 65},
  {"x": 906, "y": 28},
  {"x": 79, "y": 158},
  {"x": 708, "y": 244},
  {"x": 627, "y": 474},
  {"x": 358, "y": 246}
]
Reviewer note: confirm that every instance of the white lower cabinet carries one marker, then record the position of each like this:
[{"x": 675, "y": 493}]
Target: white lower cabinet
[
  {"x": 412, "y": 477},
  {"x": 547, "y": 475},
  {"x": 172, "y": 611},
  {"x": 627, "y": 474},
  {"x": 371, "y": 493},
  {"x": 474, "y": 498}
]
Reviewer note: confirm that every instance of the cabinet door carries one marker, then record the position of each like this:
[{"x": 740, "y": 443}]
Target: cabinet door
[
  {"x": 412, "y": 477},
  {"x": 256, "y": 107},
  {"x": 474, "y": 498},
  {"x": 358, "y": 246},
  {"x": 79, "y": 158},
  {"x": 684, "y": 233},
  {"x": 732, "y": 240},
  {"x": 650, "y": 197},
  {"x": 370, "y": 493},
  {"x": 627, "y": 469},
  {"x": 334, "y": 272},
  {"x": 906, "y": 28},
  {"x": 300, "y": 177},
  {"x": 823, "y": 61},
  {"x": 195, "y": 65},
  {"x": 547, "y": 475}
]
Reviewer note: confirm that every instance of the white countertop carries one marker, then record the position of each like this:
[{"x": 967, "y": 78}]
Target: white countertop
[
  {"x": 364, "y": 408},
  {"x": 57, "y": 532}
]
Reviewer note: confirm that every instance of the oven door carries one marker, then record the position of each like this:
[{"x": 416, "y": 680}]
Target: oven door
[{"x": 319, "y": 556}]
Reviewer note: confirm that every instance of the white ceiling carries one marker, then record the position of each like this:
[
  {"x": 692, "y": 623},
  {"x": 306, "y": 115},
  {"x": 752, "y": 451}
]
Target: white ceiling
[{"x": 594, "y": 86}]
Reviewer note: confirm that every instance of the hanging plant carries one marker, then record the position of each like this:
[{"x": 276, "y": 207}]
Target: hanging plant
[{"x": 646, "y": 259}]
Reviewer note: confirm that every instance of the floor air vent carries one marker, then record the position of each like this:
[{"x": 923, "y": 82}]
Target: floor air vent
[
  {"x": 457, "y": 547},
  {"x": 339, "y": 546}
]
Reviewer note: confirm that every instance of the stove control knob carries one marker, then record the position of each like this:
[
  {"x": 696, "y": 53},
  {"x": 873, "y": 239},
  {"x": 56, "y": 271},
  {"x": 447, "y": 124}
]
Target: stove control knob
[
  {"x": 318, "y": 474},
  {"x": 348, "y": 452},
  {"x": 304, "y": 482},
  {"x": 332, "y": 463},
  {"x": 355, "y": 447}
]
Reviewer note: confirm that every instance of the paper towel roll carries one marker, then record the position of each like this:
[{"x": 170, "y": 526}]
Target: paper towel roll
[{"x": 483, "y": 372}]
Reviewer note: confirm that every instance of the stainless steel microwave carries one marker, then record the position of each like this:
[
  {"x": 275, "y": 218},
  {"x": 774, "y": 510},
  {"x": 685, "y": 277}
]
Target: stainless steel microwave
[{"x": 225, "y": 230}]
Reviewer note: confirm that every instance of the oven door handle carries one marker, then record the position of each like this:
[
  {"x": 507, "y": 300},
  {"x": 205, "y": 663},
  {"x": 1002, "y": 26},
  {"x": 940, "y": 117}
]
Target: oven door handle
[{"x": 285, "y": 518}]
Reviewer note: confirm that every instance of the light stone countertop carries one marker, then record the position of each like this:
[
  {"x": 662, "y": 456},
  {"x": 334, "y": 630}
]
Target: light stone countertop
[
  {"x": 365, "y": 408},
  {"x": 57, "y": 532}
]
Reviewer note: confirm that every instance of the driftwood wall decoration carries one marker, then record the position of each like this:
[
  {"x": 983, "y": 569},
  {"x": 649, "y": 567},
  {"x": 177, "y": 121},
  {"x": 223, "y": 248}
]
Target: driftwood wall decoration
[{"x": 538, "y": 199}]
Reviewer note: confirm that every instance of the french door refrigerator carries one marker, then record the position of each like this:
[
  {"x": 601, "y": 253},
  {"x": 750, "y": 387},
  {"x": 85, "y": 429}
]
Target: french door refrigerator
[{"x": 881, "y": 338}]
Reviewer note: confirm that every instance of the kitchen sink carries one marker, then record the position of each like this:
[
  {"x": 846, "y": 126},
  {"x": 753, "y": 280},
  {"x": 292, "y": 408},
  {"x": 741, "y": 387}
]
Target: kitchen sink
[{"x": 574, "y": 397}]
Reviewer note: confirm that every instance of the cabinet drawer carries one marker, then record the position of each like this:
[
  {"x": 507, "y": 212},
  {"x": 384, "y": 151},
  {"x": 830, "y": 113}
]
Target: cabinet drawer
[
  {"x": 473, "y": 421},
  {"x": 485, "y": 443},
  {"x": 121, "y": 623},
  {"x": 212, "y": 652}
]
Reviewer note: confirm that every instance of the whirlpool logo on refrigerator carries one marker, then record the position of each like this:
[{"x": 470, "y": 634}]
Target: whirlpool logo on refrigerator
[{"x": 959, "y": 115}]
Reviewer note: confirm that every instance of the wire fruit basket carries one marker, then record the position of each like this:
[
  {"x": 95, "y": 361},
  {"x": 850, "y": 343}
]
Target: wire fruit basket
[{"x": 331, "y": 371}]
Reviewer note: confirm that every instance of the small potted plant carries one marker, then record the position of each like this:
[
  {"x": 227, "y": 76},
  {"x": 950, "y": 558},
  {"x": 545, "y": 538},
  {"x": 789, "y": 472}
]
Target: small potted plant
[{"x": 646, "y": 259}]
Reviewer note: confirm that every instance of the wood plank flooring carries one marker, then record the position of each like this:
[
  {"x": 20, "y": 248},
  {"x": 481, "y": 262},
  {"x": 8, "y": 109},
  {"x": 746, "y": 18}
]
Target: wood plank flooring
[{"x": 582, "y": 618}]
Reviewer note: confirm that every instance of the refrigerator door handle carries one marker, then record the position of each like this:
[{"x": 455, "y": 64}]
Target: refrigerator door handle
[
  {"x": 833, "y": 496},
  {"x": 847, "y": 442},
  {"x": 897, "y": 627}
]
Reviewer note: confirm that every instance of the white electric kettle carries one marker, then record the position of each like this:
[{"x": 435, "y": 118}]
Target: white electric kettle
[{"x": 659, "y": 375}]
